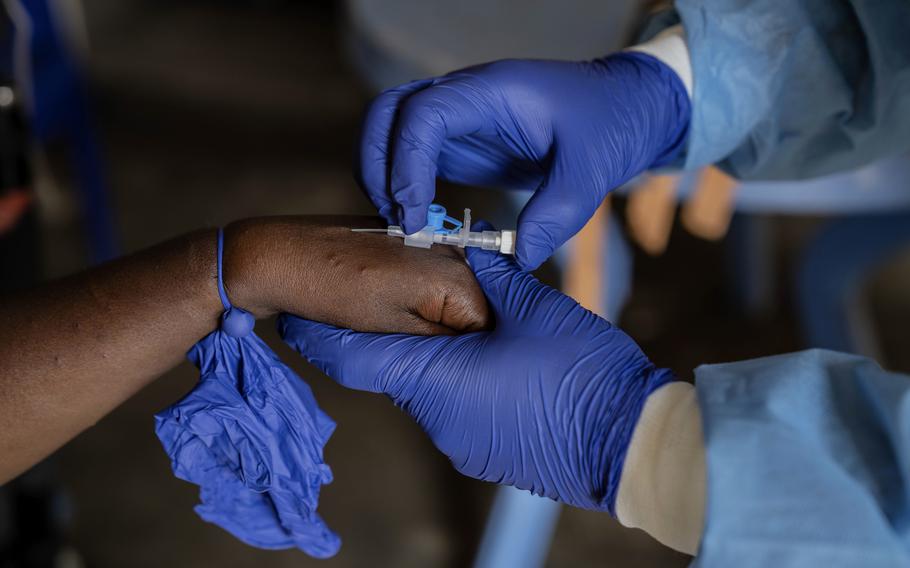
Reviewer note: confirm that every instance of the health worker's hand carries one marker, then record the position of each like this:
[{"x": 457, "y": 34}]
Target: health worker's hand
[
  {"x": 315, "y": 267},
  {"x": 547, "y": 401},
  {"x": 571, "y": 131}
]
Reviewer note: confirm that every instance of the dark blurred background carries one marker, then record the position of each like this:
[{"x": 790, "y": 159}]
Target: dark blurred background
[{"x": 209, "y": 111}]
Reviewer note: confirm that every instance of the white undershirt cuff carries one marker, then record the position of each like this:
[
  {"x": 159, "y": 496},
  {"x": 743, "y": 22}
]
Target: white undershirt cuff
[{"x": 670, "y": 47}]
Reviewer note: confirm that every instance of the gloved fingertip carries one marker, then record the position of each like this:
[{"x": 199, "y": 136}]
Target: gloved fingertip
[
  {"x": 387, "y": 212},
  {"x": 529, "y": 258},
  {"x": 482, "y": 260},
  {"x": 479, "y": 258},
  {"x": 414, "y": 219},
  {"x": 294, "y": 330},
  {"x": 530, "y": 253},
  {"x": 482, "y": 225},
  {"x": 283, "y": 322}
]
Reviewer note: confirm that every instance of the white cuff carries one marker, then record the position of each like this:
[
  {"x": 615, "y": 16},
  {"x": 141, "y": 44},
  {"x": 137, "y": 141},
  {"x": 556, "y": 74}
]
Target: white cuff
[
  {"x": 669, "y": 46},
  {"x": 662, "y": 490}
]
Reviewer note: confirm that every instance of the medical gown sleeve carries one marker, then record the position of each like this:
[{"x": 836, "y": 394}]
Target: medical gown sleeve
[
  {"x": 808, "y": 462},
  {"x": 794, "y": 89}
]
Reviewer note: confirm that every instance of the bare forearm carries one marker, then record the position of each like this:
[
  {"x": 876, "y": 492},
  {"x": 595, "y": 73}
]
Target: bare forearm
[{"x": 73, "y": 350}]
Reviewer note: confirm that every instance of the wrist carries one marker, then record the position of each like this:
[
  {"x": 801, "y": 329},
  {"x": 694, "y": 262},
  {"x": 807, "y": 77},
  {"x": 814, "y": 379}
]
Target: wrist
[
  {"x": 665, "y": 107},
  {"x": 638, "y": 379},
  {"x": 671, "y": 52},
  {"x": 251, "y": 267}
]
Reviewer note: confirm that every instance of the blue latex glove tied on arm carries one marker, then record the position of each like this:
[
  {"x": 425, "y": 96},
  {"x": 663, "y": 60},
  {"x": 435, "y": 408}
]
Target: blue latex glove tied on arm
[
  {"x": 545, "y": 402},
  {"x": 251, "y": 436},
  {"x": 571, "y": 131}
]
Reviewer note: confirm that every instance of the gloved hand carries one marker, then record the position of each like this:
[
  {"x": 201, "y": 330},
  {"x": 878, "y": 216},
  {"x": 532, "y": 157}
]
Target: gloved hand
[
  {"x": 571, "y": 131},
  {"x": 547, "y": 401}
]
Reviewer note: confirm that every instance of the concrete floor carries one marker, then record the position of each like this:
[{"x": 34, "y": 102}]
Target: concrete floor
[{"x": 215, "y": 111}]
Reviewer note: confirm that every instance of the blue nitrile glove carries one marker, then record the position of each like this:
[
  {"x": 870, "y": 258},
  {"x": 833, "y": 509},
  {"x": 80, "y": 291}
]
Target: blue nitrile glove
[
  {"x": 546, "y": 402},
  {"x": 251, "y": 436},
  {"x": 572, "y": 131}
]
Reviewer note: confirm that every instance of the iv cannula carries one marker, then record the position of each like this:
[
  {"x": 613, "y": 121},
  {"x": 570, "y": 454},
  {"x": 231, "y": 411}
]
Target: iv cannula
[{"x": 459, "y": 235}]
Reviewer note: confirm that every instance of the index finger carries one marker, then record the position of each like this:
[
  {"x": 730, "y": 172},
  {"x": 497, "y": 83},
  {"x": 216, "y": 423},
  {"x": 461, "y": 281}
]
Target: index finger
[
  {"x": 447, "y": 109},
  {"x": 372, "y": 170}
]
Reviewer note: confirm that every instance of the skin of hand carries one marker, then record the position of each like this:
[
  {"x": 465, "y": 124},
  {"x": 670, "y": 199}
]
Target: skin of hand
[
  {"x": 368, "y": 282},
  {"x": 74, "y": 349}
]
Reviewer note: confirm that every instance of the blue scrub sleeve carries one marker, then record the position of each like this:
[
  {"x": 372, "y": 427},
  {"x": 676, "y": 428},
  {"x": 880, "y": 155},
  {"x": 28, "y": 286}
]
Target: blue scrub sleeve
[
  {"x": 808, "y": 462},
  {"x": 797, "y": 88}
]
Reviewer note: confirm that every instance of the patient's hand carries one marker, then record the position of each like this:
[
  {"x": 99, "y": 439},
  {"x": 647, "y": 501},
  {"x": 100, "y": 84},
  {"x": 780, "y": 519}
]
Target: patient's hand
[{"x": 315, "y": 267}]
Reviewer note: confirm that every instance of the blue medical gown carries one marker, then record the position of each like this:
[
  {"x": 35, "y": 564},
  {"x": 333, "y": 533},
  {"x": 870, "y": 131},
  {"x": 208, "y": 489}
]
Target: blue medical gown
[
  {"x": 789, "y": 89},
  {"x": 808, "y": 458}
]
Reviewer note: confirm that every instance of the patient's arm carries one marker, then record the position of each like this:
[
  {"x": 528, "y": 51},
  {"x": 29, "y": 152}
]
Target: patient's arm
[
  {"x": 317, "y": 268},
  {"x": 74, "y": 349}
]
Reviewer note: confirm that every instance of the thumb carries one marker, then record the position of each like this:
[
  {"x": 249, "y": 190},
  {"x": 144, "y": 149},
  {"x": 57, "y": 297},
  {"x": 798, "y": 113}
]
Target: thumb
[
  {"x": 512, "y": 293},
  {"x": 374, "y": 362},
  {"x": 426, "y": 120},
  {"x": 344, "y": 355},
  {"x": 558, "y": 209}
]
